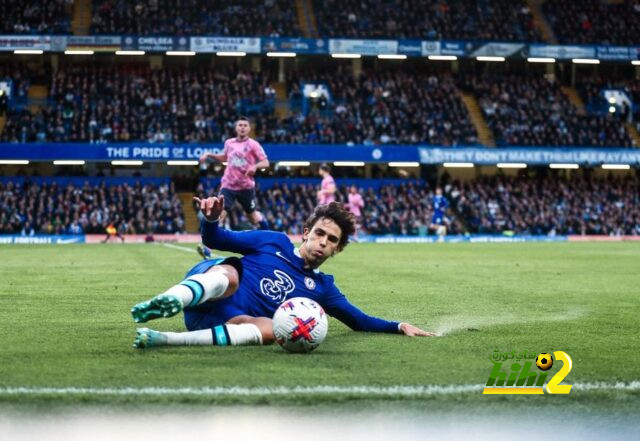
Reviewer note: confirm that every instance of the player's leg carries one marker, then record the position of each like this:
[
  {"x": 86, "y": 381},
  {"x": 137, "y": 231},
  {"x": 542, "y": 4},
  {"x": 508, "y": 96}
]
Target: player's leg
[
  {"x": 230, "y": 197},
  {"x": 204, "y": 252},
  {"x": 247, "y": 199},
  {"x": 241, "y": 330},
  {"x": 217, "y": 281}
]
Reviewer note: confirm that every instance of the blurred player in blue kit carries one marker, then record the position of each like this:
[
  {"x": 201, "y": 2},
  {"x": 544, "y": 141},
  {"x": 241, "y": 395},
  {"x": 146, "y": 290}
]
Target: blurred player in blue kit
[
  {"x": 439, "y": 220},
  {"x": 231, "y": 301}
]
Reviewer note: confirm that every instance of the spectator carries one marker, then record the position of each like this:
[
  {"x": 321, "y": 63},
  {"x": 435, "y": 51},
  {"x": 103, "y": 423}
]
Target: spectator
[
  {"x": 533, "y": 111},
  {"x": 428, "y": 19},
  {"x": 246, "y": 18},
  {"x": 31, "y": 208},
  {"x": 594, "y": 21}
]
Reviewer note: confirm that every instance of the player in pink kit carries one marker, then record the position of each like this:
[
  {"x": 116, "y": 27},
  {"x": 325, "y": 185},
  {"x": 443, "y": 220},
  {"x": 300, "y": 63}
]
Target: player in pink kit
[
  {"x": 244, "y": 156},
  {"x": 356, "y": 203},
  {"x": 327, "y": 193},
  {"x": 355, "y": 206}
]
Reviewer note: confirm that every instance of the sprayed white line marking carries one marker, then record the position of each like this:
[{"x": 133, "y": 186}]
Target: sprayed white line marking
[
  {"x": 188, "y": 250},
  {"x": 406, "y": 391}
]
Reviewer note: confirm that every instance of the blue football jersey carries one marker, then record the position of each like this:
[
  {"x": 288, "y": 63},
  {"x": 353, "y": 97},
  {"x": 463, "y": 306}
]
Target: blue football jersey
[
  {"x": 272, "y": 271},
  {"x": 440, "y": 204}
]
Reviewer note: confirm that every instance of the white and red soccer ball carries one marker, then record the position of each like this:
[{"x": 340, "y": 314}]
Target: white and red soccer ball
[{"x": 300, "y": 325}]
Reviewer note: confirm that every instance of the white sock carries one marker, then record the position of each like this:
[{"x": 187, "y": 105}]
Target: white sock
[
  {"x": 237, "y": 335},
  {"x": 192, "y": 338},
  {"x": 199, "y": 288},
  {"x": 244, "y": 334}
]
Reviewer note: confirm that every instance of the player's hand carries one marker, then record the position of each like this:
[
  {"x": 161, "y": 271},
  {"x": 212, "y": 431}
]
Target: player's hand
[
  {"x": 251, "y": 170},
  {"x": 211, "y": 207},
  {"x": 414, "y": 331},
  {"x": 203, "y": 159}
]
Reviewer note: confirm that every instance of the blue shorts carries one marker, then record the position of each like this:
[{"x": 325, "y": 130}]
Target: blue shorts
[
  {"x": 210, "y": 314},
  {"x": 437, "y": 219}
]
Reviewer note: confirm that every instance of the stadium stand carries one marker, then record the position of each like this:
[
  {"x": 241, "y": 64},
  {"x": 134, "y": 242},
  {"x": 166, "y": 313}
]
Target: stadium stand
[
  {"x": 30, "y": 207},
  {"x": 549, "y": 205},
  {"x": 430, "y": 19},
  {"x": 533, "y": 111},
  {"x": 400, "y": 207},
  {"x": 389, "y": 107},
  {"x": 104, "y": 104},
  {"x": 35, "y": 17},
  {"x": 594, "y": 21},
  {"x": 98, "y": 103},
  {"x": 274, "y": 18}
]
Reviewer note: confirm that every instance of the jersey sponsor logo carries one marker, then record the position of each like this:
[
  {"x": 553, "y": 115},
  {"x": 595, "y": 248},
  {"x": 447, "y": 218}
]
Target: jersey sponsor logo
[
  {"x": 310, "y": 283},
  {"x": 277, "y": 289},
  {"x": 237, "y": 161}
]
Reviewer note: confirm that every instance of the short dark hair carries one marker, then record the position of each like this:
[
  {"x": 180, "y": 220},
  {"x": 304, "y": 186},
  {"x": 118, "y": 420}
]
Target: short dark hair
[
  {"x": 243, "y": 118},
  {"x": 336, "y": 212},
  {"x": 326, "y": 167}
]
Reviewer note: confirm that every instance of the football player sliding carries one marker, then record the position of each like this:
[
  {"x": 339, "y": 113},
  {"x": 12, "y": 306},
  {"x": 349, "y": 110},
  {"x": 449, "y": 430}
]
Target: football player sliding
[{"x": 231, "y": 301}]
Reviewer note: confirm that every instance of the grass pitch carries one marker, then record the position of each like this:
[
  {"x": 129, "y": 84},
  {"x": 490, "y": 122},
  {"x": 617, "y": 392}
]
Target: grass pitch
[{"x": 65, "y": 323}]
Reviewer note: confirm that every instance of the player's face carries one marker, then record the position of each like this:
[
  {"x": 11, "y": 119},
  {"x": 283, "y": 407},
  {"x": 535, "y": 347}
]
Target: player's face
[
  {"x": 243, "y": 128},
  {"x": 321, "y": 242}
]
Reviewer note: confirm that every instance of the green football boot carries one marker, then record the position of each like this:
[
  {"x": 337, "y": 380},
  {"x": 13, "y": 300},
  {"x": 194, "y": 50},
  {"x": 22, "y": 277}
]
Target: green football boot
[
  {"x": 164, "y": 305},
  {"x": 148, "y": 338}
]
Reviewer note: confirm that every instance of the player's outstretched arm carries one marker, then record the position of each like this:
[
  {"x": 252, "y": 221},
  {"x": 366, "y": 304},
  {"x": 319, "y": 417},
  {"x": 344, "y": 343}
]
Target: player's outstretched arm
[
  {"x": 220, "y": 158},
  {"x": 339, "y": 307},
  {"x": 218, "y": 238}
]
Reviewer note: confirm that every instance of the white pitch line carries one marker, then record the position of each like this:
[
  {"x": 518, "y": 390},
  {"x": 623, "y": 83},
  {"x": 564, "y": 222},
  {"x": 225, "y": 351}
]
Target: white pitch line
[
  {"x": 188, "y": 250},
  {"x": 365, "y": 391},
  {"x": 177, "y": 247}
]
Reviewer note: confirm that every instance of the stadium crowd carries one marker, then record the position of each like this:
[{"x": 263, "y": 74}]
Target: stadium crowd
[
  {"x": 100, "y": 104},
  {"x": 594, "y": 21},
  {"x": 533, "y": 111},
  {"x": 549, "y": 205},
  {"x": 389, "y": 209},
  {"x": 273, "y": 18},
  {"x": 386, "y": 107},
  {"x": 486, "y": 205},
  {"x": 591, "y": 92},
  {"x": 35, "y": 17},
  {"x": 430, "y": 19},
  {"x": 29, "y": 208}
]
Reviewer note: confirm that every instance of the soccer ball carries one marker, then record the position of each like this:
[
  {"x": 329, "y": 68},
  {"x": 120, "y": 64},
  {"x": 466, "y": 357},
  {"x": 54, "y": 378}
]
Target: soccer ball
[
  {"x": 300, "y": 325},
  {"x": 544, "y": 361}
]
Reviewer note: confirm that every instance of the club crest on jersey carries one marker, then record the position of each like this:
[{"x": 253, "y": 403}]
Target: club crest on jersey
[
  {"x": 278, "y": 288},
  {"x": 309, "y": 283}
]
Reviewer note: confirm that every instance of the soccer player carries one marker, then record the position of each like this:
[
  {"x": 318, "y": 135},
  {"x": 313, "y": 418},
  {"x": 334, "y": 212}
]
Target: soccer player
[
  {"x": 327, "y": 193},
  {"x": 355, "y": 205},
  {"x": 439, "y": 220},
  {"x": 231, "y": 301},
  {"x": 113, "y": 230},
  {"x": 243, "y": 156}
]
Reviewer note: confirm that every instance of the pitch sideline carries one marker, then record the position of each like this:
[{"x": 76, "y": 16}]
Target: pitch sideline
[{"x": 365, "y": 391}]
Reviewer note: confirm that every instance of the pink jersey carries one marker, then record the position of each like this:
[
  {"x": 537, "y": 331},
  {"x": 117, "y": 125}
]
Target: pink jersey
[
  {"x": 325, "y": 198},
  {"x": 240, "y": 156},
  {"x": 355, "y": 204}
]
